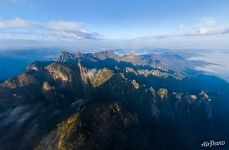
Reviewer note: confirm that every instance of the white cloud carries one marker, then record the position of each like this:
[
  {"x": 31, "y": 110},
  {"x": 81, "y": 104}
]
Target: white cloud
[
  {"x": 65, "y": 26},
  {"x": 209, "y": 26},
  {"x": 207, "y": 34},
  {"x": 18, "y": 23},
  {"x": 64, "y": 30}
]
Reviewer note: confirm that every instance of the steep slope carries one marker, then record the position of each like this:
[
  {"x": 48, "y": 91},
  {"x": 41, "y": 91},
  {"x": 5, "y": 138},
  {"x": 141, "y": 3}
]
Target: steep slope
[
  {"x": 91, "y": 129},
  {"x": 102, "y": 76}
]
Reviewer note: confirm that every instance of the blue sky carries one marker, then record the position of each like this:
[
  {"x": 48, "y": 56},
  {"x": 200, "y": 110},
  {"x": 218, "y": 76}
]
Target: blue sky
[{"x": 175, "y": 24}]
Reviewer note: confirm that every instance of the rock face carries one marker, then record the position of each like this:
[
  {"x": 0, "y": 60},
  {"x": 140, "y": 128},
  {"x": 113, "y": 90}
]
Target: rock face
[
  {"x": 106, "y": 101},
  {"x": 46, "y": 86},
  {"x": 20, "y": 81},
  {"x": 102, "y": 76},
  {"x": 60, "y": 71},
  {"x": 87, "y": 75},
  {"x": 107, "y": 55},
  {"x": 133, "y": 59},
  {"x": 163, "y": 93},
  {"x": 135, "y": 84}
]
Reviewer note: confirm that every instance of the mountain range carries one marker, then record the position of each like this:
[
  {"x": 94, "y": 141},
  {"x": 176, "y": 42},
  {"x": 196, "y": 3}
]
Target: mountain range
[{"x": 103, "y": 100}]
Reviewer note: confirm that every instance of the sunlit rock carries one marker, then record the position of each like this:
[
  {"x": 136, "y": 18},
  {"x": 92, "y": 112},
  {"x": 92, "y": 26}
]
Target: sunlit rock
[
  {"x": 102, "y": 76},
  {"x": 163, "y": 93}
]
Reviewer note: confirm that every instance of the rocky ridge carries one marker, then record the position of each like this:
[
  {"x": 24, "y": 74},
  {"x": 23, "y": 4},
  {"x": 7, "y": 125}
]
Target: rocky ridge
[{"x": 102, "y": 101}]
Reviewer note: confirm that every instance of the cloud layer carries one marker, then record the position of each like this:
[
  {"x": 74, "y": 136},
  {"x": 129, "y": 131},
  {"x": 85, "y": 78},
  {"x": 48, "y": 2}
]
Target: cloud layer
[
  {"x": 206, "y": 34},
  {"x": 209, "y": 26},
  {"x": 62, "y": 30}
]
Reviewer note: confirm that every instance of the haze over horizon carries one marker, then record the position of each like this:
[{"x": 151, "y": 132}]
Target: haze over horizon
[{"x": 105, "y": 24}]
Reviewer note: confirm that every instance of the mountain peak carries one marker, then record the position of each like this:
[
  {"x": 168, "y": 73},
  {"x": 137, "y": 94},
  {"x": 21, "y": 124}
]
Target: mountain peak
[
  {"x": 134, "y": 59},
  {"x": 109, "y": 54}
]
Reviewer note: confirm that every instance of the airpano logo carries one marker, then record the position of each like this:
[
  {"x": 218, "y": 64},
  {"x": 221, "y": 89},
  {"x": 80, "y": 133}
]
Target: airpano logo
[{"x": 212, "y": 143}]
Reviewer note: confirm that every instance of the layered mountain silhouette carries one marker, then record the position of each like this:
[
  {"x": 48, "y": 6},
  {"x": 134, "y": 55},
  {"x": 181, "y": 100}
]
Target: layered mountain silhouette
[{"x": 85, "y": 101}]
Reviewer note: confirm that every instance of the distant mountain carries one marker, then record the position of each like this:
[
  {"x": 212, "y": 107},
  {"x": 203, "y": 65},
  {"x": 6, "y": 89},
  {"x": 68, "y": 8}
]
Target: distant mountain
[
  {"x": 107, "y": 101},
  {"x": 13, "y": 62}
]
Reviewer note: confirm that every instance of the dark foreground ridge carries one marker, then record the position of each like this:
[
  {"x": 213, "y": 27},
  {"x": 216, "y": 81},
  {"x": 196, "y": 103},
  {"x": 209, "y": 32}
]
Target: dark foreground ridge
[{"x": 106, "y": 101}]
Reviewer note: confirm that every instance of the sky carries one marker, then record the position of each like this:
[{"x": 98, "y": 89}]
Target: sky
[{"x": 87, "y": 24}]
